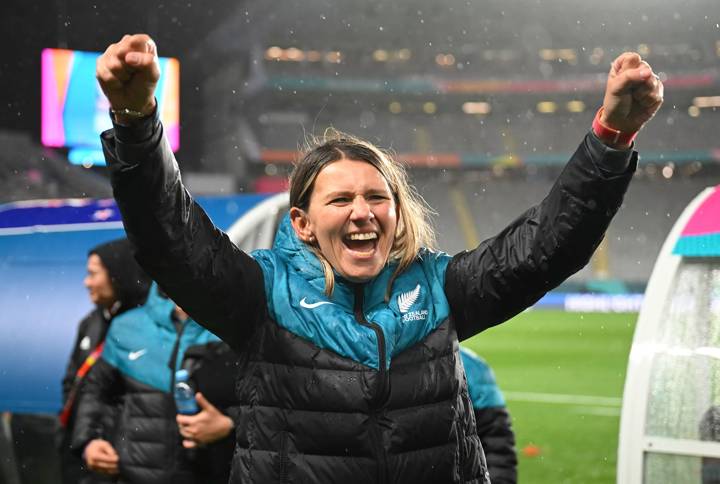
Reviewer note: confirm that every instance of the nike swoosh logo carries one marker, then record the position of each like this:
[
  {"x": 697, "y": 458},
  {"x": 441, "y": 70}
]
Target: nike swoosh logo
[
  {"x": 134, "y": 355},
  {"x": 308, "y": 305}
]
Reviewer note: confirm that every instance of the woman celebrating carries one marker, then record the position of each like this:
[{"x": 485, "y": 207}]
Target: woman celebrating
[{"x": 349, "y": 325}]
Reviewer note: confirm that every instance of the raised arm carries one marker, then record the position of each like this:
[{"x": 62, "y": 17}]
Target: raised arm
[
  {"x": 176, "y": 243},
  {"x": 551, "y": 241}
]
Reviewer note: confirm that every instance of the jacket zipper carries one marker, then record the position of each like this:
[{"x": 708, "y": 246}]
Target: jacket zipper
[{"x": 382, "y": 390}]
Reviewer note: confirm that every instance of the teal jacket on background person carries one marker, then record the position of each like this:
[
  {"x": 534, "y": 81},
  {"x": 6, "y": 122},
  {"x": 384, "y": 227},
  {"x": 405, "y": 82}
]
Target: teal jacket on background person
[
  {"x": 492, "y": 419},
  {"x": 143, "y": 349}
]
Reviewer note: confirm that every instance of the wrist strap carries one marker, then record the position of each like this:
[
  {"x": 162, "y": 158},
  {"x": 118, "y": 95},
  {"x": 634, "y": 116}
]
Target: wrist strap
[{"x": 610, "y": 135}]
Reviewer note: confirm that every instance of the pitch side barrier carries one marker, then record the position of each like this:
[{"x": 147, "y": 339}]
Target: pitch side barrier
[{"x": 591, "y": 303}]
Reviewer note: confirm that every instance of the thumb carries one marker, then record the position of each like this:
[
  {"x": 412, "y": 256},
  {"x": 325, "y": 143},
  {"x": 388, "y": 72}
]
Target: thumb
[
  {"x": 107, "y": 449},
  {"x": 204, "y": 403}
]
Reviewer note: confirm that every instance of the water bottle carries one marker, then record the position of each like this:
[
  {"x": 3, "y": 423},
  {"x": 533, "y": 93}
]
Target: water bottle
[{"x": 184, "y": 394}]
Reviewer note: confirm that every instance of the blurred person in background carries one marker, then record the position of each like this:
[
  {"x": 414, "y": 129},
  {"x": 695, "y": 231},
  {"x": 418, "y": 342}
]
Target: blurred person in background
[
  {"x": 115, "y": 284},
  {"x": 349, "y": 326},
  {"x": 492, "y": 419},
  {"x": 710, "y": 432},
  {"x": 213, "y": 368},
  {"x": 143, "y": 350}
]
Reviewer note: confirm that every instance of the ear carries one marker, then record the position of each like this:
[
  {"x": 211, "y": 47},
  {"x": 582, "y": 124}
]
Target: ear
[{"x": 302, "y": 225}]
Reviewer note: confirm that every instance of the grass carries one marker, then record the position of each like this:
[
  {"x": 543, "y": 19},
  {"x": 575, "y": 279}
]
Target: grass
[{"x": 565, "y": 354}]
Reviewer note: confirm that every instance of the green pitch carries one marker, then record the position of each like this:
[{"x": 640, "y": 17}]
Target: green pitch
[{"x": 563, "y": 376}]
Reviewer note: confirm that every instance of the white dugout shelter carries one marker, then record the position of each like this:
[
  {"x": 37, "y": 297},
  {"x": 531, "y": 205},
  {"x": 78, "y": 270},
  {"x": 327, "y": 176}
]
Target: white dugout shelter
[{"x": 670, "y": 424}]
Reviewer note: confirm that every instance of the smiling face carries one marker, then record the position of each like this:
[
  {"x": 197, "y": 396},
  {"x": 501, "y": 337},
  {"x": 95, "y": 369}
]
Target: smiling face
[
  {"x": 97, "y": 282},
  {"x": 351, "y": 218}
]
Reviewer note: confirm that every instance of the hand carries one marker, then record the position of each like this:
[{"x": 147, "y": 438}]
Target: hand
[
  {"x": 633, "y": 94},
  {"x": 206, "y": 426},
  {"x": 100, "y": 456},
  {"x": 128, "y": 73}
]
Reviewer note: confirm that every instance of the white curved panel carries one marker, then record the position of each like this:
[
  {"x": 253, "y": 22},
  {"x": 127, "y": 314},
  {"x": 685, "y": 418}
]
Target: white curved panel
[
  {"x": 634, "y": 444},
  {"x": 256, "y": 229}
]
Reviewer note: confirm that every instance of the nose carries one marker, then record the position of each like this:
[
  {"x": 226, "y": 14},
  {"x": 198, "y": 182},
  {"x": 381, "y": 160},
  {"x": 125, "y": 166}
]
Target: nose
[
  {"x": 361, "y": 209},
  {"x": 86, "y": 282}
]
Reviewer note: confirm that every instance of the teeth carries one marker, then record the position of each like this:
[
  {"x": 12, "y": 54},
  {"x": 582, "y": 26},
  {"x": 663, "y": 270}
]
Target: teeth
[{"x": 366, "y": 236}]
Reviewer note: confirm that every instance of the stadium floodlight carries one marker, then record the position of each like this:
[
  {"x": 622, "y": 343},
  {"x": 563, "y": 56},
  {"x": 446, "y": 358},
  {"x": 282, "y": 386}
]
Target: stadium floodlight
[
  {"x": 546, "y": 107},
  {"x": 707, "y": 101},
  {"x": 671, "y": 403},
  {"x": 380, "y": 55},
  {"x": 476, "y": 107},
  {"x": 575, "y": 106}
]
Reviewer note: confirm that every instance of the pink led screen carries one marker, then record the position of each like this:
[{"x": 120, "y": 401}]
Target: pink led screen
[{"x": 74, "y": 109}]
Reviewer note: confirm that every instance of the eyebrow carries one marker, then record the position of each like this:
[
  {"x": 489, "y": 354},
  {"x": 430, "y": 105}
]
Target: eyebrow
[{"x": 342, "y": 193}]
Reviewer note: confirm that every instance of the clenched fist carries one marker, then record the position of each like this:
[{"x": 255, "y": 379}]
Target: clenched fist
[
  {"x": 633, "y": 94},
  {"x": 128, "y": 72}
]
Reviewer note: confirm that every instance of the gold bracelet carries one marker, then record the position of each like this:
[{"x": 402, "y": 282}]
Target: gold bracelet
[{"x": 129, "y": 113}]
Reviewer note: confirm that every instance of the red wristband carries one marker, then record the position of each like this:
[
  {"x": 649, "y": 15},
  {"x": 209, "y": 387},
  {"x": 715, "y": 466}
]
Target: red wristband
[{"x": 610, "y": 135}]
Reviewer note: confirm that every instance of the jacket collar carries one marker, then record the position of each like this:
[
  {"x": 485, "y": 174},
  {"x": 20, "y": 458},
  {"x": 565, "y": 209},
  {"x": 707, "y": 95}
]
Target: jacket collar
[
  {"x": 297, "y": 255},
  {"x": 160, "y": 310}
]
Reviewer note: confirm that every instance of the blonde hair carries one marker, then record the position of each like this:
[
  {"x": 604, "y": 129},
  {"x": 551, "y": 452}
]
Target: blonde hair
[{"x": 413, "y": 230}]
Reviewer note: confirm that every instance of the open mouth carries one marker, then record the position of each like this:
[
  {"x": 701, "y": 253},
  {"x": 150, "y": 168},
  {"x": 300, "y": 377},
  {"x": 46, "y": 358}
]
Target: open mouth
[{"x": 362, "y": 242}]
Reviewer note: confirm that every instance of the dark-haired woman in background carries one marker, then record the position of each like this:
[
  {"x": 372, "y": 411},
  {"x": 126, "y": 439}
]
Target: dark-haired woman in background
[{"x": 115, "y": 284}]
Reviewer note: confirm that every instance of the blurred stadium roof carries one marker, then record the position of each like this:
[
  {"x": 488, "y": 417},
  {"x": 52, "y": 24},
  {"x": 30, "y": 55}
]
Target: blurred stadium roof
[{"x": 373, "y": 54}]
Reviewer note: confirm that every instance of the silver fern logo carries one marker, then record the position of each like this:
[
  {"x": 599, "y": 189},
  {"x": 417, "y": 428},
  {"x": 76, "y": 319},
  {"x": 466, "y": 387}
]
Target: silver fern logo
[{"x": 405, "y": 301}]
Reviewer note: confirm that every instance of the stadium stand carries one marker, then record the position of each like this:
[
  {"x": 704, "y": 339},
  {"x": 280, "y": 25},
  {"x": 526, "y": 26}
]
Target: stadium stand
[
  {"x": 633, "y": 241},
  {"x": 28, "y": 171}
]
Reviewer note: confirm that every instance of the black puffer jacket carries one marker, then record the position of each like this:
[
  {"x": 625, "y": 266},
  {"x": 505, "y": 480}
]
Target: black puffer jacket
[
  {"x": 130, "y": 285},
  {"x": 213, "y": 368},
  {"x": 319, "y": 410},
  {"x": 143, "y": 349}
]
